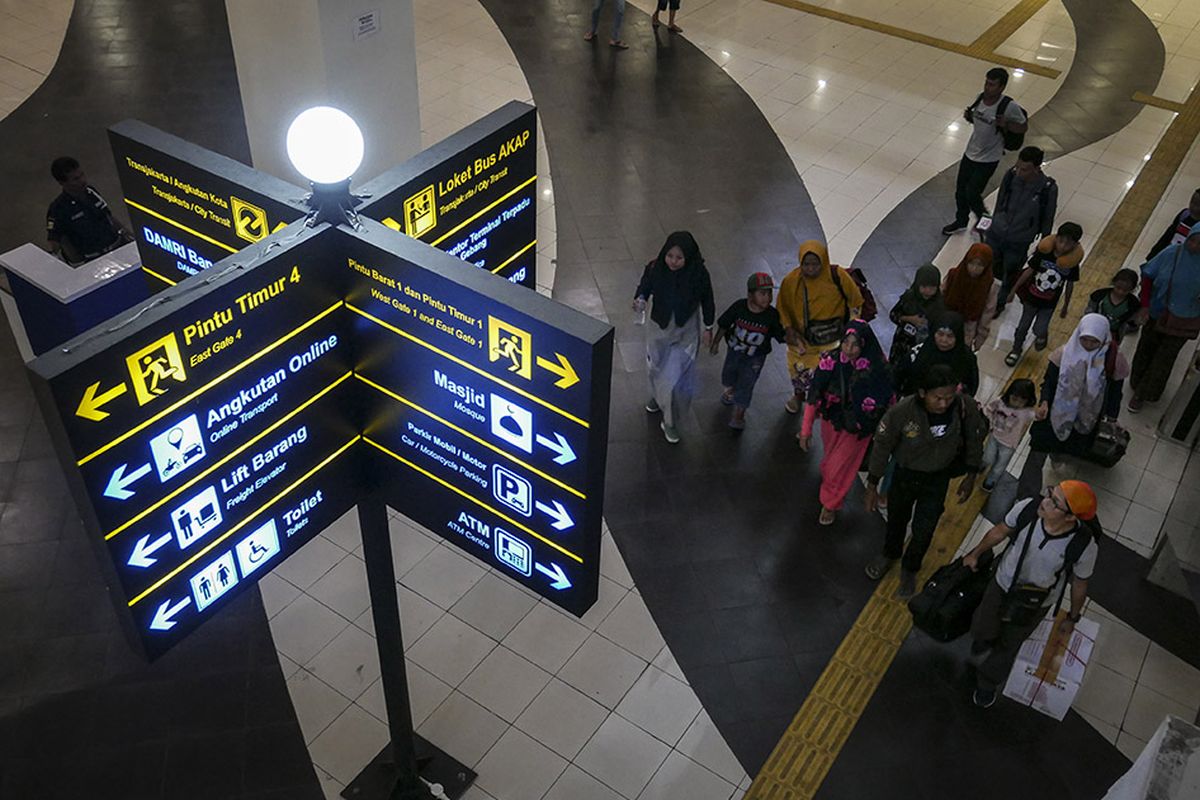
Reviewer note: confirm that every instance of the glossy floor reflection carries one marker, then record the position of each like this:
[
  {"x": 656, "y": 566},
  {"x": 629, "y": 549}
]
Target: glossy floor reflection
[{"x": 723, "y": 593}]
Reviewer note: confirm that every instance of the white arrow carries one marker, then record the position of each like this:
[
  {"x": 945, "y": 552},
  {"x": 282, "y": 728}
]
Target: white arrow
[
  {"x": 562, "y": 520},
  {"x": 565, "y": 454},
  {"x": 162, "y": 618},
  {"x": 556, "y": 575},
  {"x": 145, "y": 548},
  {"x": 119, "y": 481}
]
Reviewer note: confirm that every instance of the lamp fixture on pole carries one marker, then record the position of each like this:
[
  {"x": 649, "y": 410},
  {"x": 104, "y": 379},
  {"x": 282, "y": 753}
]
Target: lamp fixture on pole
[{"x": 326, "y": 146}]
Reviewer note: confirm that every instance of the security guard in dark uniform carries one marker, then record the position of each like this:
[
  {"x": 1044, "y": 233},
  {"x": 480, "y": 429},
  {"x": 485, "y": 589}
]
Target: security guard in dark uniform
[{"x": 79, "y": 224}]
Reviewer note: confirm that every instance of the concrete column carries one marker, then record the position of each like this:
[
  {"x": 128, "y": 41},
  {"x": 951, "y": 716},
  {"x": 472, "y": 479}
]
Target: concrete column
[{"x": 294, "y": 54}]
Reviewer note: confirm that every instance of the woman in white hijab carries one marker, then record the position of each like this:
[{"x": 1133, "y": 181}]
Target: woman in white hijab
[{"x": 1082, "y": 384}]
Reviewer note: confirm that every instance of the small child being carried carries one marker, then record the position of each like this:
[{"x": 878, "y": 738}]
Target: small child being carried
[
  {"x": 747, "y": 326},
  {"x": 1009, "y": 414}
]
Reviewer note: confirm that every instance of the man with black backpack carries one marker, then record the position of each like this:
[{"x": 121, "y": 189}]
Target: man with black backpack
[
  {"x": 998, "y": 124},
  {"x": 1025, "y": 209},
  {"x": 1053, "y": 542}
]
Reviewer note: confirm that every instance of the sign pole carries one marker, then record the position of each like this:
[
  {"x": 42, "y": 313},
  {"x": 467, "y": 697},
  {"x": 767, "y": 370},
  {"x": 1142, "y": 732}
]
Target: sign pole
[
  {"x": 395, "y": 774},
  {"x": 385, "y": 612}
]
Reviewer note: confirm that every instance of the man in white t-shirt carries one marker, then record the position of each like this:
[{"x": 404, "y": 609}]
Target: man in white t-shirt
[
  {"x": 1042, "y": 547},
  {"x": 985, "y": 148}
]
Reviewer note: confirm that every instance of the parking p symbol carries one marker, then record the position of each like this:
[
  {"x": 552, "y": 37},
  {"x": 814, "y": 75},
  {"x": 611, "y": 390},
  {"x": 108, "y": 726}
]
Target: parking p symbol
[{"x": 512, "y": 490}]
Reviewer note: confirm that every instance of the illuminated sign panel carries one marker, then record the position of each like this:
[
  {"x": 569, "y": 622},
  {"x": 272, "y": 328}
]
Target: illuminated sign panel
[
  {"x": 190, "y": 207},
  {"x": 473, "y": 195},
  {"x": 487, "y": 411},
  {"x": 211, "y": 434},
  {"x": 215, "y": 430}
]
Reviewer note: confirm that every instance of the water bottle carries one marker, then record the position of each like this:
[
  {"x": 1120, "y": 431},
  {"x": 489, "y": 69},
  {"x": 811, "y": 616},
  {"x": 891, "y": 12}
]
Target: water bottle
[{"x": 639, "y": 311}]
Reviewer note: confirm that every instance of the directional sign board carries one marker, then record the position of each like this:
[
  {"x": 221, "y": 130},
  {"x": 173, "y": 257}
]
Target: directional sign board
[
  {"x": 191, "y": 207},
  {"x": 473, "y": 195},
  {"x": 490, "y": 411},
  {"x": 208, "y": 434}
]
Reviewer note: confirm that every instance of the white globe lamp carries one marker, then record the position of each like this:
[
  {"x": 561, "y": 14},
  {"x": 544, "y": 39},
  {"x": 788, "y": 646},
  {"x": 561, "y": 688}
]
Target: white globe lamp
[{"x": 325, "y": 145}]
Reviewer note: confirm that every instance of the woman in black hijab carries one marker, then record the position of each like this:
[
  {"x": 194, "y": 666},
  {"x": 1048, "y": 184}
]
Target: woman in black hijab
[
  {"x": 678, "y": 283},
  {"x": 947, "y": 345}
]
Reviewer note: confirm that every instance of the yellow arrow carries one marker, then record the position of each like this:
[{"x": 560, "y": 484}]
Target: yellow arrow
[
  {"x": 89, "y": 406},
  {"x": 567, "y": 375},
  {"x": 279, "y": 227}
]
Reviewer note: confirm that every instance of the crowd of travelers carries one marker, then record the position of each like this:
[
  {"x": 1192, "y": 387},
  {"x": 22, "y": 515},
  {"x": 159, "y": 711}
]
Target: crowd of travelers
[{"x": 910, "y": 418}]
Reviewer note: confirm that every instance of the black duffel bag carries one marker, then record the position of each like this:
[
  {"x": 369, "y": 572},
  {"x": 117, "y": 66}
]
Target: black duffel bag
[{"x": 944, "y": 607}]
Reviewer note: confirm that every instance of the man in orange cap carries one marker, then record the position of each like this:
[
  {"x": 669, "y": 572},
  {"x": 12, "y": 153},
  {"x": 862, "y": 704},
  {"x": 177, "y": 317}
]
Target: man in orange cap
[{"x": 1053, "y": 541}]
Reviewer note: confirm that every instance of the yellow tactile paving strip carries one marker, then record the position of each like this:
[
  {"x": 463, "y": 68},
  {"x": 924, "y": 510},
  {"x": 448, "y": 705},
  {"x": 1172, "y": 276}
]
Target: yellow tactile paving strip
[
  {"x": 982, "y": 48},
  {"x": 1006, "y": 26},
  {"x": 1158, "y": 102},
  {"x": 808, "y": 748}
]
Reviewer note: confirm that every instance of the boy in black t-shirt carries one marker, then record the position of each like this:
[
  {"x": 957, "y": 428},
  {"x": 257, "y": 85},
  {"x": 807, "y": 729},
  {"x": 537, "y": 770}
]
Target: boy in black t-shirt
[
  {"x": 1051, "y": 273},
  {"x": 747, "y": 326},
  {"x": 1117, "y": 302}
]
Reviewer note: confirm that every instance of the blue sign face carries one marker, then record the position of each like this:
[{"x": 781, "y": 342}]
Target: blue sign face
[
  {"x": 473, "y": 195},
  {"x": 489, "y": 419},
  {"x": 190, "y": 207},
  {"x": 210, "y": 442}
]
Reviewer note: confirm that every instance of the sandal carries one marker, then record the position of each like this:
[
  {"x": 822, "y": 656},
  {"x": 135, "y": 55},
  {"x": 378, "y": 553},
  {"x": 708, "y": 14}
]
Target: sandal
[
  {"x": 617, "y": 44},
  {"x": 590, "y": 36},
  {"x": 792, "y": 406},
  {"x": 827, "y": 516}
]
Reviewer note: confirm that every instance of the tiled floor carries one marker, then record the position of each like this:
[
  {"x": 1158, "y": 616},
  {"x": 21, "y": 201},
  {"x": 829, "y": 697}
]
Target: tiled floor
[
  {"x": 544, "y": 705},
  {"x": 31, "y": 34},
  {"x": 536, "y": 701},
  {"x": 867, "y": 118}
]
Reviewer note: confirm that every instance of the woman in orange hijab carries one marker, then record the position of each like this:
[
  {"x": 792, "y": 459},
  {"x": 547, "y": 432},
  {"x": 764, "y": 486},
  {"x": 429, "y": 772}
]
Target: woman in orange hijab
[
  {"x": 814, "y": 311},
  {"x": 971, "y": 289}
]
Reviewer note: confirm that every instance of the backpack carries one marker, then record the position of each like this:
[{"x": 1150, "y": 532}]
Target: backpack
[
  {"x": 870, "y": 309},
  {"x": 1043, "y": 193},
  {"x": 1012, "y": 140}
]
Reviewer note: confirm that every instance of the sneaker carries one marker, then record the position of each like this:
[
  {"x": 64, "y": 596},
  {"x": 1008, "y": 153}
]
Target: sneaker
[
  {"x": 954, "y": 227},
  {"x": 984, "y": 698},
  {"x": 652, "y": 406},
  {"x": 1040, "y": 344},
  {"x": 792, "y": 406},
  {"x": 1012, "y": 358},
  {"x": 669, "y": 433},
  {"x": 1135, "y": 404},
  {"x": 908, "y": 585},
  {"x": 878, "y": 567}
]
